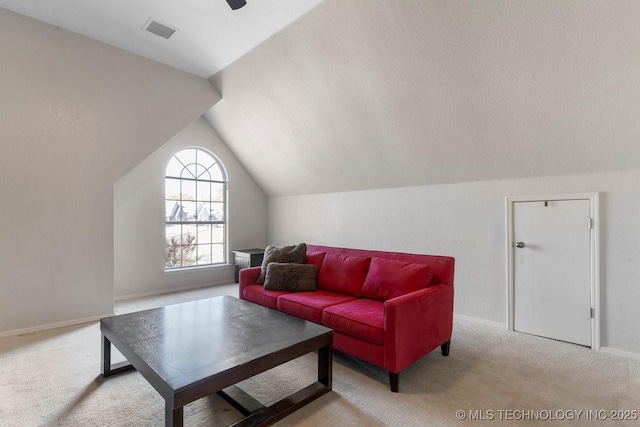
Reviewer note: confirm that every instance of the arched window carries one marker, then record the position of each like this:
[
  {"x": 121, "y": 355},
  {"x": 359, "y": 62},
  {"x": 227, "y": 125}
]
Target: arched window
[{"x": 195, "y": 210}]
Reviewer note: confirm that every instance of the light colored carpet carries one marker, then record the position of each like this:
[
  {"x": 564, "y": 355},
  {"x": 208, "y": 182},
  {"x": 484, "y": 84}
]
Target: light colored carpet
[{"x": 51, "y": 378}]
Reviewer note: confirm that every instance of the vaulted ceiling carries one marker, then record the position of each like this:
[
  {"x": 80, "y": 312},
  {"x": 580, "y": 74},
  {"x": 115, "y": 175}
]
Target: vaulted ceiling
[
  {"x": 363, "y": 94},
  {"x": 339, "y": 95}
]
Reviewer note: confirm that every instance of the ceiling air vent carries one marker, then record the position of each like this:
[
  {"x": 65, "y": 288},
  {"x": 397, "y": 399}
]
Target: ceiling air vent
[{"x": 159, "y": 29}]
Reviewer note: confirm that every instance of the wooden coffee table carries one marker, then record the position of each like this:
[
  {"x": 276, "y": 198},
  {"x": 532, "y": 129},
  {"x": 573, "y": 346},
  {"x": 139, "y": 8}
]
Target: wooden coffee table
[{"x": 192, "y": 350}]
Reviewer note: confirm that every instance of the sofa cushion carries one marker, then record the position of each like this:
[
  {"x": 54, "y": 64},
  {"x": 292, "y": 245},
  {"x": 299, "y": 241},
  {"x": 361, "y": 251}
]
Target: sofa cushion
[
  {"x": 315, "y": 258},
  {"x": 309, "y": 305},
  {"x": 362, "y": 318},
  {"x": 295, "y": 253},
  {"x": 259, "y": 295},
  {"x": 389, "y": 279},
  {"x": 290, "y": 277},
  {"x": 343, "y": 274}
]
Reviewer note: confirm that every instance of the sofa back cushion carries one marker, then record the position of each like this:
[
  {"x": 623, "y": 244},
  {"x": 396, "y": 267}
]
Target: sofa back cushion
[
  {"x": 343, "y": 274},
  {"x": 315, "y": 258},
  {"x": 443, "y": 267},
  {"x": 389, "y": 278}
]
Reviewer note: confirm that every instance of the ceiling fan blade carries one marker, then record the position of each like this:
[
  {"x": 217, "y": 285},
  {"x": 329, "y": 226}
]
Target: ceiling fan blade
[{"x": 236, "y": 4}]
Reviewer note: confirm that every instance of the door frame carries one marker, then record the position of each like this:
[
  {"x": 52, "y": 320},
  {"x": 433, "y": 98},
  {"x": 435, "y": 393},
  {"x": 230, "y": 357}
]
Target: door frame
[{"x": 594, "y": 209}]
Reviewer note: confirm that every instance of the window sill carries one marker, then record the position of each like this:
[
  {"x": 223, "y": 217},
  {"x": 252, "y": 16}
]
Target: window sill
[{"x": 198, "y": 269}]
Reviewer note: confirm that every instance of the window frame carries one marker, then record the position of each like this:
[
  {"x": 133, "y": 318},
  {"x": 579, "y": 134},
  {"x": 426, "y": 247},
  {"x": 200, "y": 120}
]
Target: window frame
[{"x": 194, "y": 220}]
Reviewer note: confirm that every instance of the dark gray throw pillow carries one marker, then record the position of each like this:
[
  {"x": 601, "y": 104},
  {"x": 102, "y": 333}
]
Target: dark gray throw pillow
[
  {"x": 294, "y": 254},
  {"x": 291, "y": 277}
]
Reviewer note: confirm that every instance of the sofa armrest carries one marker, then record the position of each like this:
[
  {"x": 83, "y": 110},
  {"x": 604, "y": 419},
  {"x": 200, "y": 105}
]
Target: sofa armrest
[
  {"x": 247, "y": 276},
  {"x": 415, "y": 324}
]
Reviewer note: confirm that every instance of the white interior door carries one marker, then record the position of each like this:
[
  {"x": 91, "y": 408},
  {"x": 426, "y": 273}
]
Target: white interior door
[{"x": 552, "y": 269}]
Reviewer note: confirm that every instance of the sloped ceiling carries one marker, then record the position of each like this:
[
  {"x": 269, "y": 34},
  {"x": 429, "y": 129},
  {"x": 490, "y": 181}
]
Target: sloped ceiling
[
  {"x": 209, "y": 34},
  {"x": 360, "y": 95}
]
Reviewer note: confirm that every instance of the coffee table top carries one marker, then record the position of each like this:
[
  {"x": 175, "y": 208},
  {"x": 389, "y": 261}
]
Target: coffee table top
[{"x": 185, "y": 343}]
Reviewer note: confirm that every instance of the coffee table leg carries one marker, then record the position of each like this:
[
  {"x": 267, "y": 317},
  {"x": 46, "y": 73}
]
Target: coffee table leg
[
  {"x": 325, "y": 365},
  {"x": 173, "y": 417},
  {"x": 107, "y": 368},
  {"x": 106, "y": 357}
]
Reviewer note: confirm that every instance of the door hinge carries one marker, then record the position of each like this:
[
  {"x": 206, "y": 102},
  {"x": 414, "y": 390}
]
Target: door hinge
[
  {"x": 591, "y": 223},
  {"x": 592, "y": 312}
]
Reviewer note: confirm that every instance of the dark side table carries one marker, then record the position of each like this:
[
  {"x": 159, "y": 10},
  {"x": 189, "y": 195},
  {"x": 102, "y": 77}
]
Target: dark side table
[{"x": 246, "y": 258}]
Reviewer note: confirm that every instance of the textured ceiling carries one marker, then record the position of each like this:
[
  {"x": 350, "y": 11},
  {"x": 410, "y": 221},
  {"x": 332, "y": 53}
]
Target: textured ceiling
[
  {"x": 210, "y": 35},
  {"x": 360, "y": 95},
  {"x": 343, "y": 95}
]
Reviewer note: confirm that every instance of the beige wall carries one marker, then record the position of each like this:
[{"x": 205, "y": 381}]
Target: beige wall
[
  {"x": 139, "y": 218},
  {"x": 75, "y": 116}
]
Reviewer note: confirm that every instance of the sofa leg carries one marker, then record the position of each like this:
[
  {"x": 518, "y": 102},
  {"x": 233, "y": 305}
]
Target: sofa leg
[
  {"x": 394, "y": 380},
  {"x": 445, "y": 348}
]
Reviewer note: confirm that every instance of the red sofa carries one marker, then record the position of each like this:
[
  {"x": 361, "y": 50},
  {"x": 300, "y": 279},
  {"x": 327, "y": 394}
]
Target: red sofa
[{"x": 386, "y": 308}]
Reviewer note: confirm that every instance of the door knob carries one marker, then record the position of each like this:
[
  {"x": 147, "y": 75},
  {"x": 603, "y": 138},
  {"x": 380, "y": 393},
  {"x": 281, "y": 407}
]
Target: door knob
[{"x": 520, "y": 245}]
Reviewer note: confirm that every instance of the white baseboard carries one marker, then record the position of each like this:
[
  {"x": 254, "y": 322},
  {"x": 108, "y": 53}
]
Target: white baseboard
[
  {"x": 608, "y": 350},
  {"x": 53, "y": 325},
  {"x": 480, "y": 321},
  {"x": 168, "y": 291},
  {"x": 621, "y": 353},
  {"x": 73, "y": 322}
]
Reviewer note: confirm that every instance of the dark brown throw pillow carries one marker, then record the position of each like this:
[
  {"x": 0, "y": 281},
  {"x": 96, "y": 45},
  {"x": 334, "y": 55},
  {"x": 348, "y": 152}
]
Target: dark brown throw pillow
[
  {"x": 293, "y": 254},
  {"x": 291, "y": 277}
]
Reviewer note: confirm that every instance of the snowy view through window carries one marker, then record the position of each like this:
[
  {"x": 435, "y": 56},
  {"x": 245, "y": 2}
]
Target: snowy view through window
[{"x": 195, "y": 197}]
